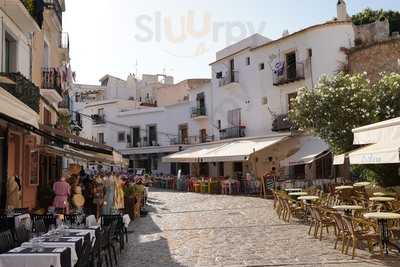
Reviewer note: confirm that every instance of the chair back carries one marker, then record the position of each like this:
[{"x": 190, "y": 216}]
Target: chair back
[
  {"x": 6, "y": 241},
  {"x": 348, "y": 224},
  {"x": 21, "y": 210},
  {"x": 91, "y": 221},
  {"x": 39, "y": 226},
  {"x": 48, "y": 219},
  {"x": 22, "y": 234},
  {"x": 338, "y": 221}
]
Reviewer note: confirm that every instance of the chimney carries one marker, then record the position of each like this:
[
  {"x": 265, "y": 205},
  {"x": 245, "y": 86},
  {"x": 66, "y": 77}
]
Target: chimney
[
  {"x": 285, "y": 33},
  {"x": 342, "y": 11}
]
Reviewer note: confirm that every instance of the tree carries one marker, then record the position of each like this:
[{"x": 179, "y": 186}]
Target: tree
[
  {"x": 343, "y": 102},
  {"x": 368, "y": 16}
]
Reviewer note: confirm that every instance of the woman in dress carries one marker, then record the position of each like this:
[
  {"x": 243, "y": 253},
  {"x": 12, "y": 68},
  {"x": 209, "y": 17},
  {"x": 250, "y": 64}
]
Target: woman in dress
[
  {"x": 119, "y": 193},
  {"x": 62, "y": 190},
  {"x": 109, "y": 188}
]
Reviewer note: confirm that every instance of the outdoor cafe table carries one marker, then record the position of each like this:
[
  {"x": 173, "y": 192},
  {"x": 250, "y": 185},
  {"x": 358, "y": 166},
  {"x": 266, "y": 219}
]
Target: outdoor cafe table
[
  {"x": 308, "y": 198},
  {"x": 361, "y": 184},
  {"x": 344, "y": 187},
  {"x": 383, "y": 194},
  {"x": 298, "y": 194},
  {"x": 293, "y": 189},
  {"x": 383, "y": 218},
  {"x": 348, "y": 209},
  {"x": 382, "y": 199},
  {"x": 46, "y": 257}
]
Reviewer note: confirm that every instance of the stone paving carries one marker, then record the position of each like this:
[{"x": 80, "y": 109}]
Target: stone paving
[{"x": 188, "y": 229}]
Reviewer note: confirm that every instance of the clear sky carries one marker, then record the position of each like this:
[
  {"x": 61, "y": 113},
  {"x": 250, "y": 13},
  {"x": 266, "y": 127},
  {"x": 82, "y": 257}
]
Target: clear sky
[{"x": 180, "y": 37}]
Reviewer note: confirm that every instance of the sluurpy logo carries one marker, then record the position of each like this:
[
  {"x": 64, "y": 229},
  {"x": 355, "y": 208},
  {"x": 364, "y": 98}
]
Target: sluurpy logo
[{"x": 201, "y": 31}]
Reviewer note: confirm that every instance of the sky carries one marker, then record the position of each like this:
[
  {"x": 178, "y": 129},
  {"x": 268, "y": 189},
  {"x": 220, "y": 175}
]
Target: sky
[{"x": 180, "y": 37}]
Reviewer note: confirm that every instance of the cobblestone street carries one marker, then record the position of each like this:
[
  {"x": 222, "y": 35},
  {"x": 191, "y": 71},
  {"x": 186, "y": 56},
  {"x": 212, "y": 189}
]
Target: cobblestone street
[{"x": 187, "y": 229}]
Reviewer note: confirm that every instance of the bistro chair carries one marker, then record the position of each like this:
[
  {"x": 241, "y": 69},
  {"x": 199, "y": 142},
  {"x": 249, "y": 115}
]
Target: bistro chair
[
  {"x": 22, "y": 235},
  {"x": 21, "y": 210},
  {"x": 120, "y": 229},
  {"x": 323, "y": 221},
  {"x": 84, "y": 257},
  {"x": 48, "y": 219},
  {"x": 356, "y": 235},
  {"x": 6, "y": 223},
  {"x": 6, "y": 241},
  {"x": 39, "y": 226},
  {"x": 341, "y": 230}
]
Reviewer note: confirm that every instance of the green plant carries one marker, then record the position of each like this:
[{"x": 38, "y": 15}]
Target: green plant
[
  {"x": 343, "y": 102},
  {"x": 30, "y": 5}
]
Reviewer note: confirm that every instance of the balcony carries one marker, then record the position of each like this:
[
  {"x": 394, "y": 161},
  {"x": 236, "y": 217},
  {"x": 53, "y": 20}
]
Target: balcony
[
  {"x": 232, "y": 132},
  {"x": 198, "y": 113},
  {"x": 282, "y": 123},
  {"x": 288, "y": 74},
  {"x": 230, "y": 78},
  {"x": 22, "y": 88},
  {"x": 142, "y": 142},
  {"x": 28, "y": 15},
  {"x": 192, "y": 140},
  {"x": 98, "y": 119},
  {"x": 64, "y": 40},
  {"x": 51, "y": 85},
  {"x": 55, "y": 5}
]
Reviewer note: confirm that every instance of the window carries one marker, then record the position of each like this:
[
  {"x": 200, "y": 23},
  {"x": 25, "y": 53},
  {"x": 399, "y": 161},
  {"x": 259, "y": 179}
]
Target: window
[
  {"x": 152, "y": 135},
  {"x": 219, "y": 124},
  {"x": 247, "y": 61},
  {"x": 154, "y": 162},
  {"x": 100, "y": 112},
  {"x": 291, "y": 66},
  {"x": 234, "y": 117},
  {"x": 261, "y": 66},
  {"x": 203, "y": 135},
  {"x": 100, "y": 138},
  {"x": 10, "y": 53},
  {"x": 121, "y": 137},
  {"x": 218, "y": 75},
  {"x": 46, "y": 117},
  {"x": 135, "y": 135},
  {"x": 290, "y": 98},
  {"x": 264, "y": 100},
  {"x": 104, "y": 82},
  {"x": 232, "y": 70},
  {"x": 183, "y": 134}
]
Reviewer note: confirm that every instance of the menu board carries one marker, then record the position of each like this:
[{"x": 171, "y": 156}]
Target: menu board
[{"x": 34, "y": 168}]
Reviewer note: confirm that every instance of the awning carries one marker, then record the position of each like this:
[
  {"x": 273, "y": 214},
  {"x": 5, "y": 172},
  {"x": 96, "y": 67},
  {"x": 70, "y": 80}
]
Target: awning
[
  {"x": 380, "y": 153},
  {"x": 230, "y": 150},
  {"x": 311, "y": 149},
  {"x": 377, "y": 132},
  {"x": 339, "y": 159},
  {"x": 192, "y": 154},
  {"x": 14, "y": 108},
  {"x": 239, "y": 150}
]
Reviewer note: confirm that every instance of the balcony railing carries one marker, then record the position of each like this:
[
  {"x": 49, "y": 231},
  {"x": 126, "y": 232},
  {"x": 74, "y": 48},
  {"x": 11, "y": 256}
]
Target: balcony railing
[
  {"x": 282, "y": 123},
  {"x": 230, "y": 77},
  {"x": 98, "y": 119},
  {"x": 35, "y": 9},
  {"x": 51, "y": 79},
  {"x": 22, "y": 88},
  {"x": 288, "y": 74},
  {"x": 64, "y": 40},
  {"x": 192, "y": 140},
  {"x": 148, "y": 102},
  {"x": 232, "y": 132},
  {"x": 198, "y": 112},
  {"x": 142, "y": 142},
  {"x": 55, "y": 5}
]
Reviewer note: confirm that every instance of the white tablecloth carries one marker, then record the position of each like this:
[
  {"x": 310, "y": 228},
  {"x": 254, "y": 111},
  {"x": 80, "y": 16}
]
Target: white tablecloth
[
  {"x": 74, "y": 256},
  {"x": 84, "y": 232},
  {"x": 30, "y": 260}
]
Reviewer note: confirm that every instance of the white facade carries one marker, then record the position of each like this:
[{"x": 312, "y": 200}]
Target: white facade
[{"x": 317, "y": 51}]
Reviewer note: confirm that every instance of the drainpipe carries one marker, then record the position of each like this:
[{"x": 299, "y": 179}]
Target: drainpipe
[{"x": 2, "y": 44}]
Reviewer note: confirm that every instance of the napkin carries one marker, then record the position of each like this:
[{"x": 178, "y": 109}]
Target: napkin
[
  {"x": 58, "y": 250},
  {"x": 16, "y": 250}
]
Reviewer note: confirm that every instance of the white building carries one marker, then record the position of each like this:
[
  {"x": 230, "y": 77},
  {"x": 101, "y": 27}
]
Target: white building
[{"x": 245, "y": 103}]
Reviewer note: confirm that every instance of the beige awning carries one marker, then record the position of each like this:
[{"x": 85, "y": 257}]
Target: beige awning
[
  {"x": 16, "y": 109},
  {"x": 339, "y": 159},
  {"x": 380, "y": 153},
  {"x": 377, "y": 132},
  {"x": 311, "y": 149},
  {"x": 240, "y": 150},
  {"x": 225, "y": 151}
]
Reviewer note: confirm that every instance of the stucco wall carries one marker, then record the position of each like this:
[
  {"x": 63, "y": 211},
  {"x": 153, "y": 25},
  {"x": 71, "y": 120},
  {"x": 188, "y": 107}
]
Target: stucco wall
[{"x": 376, "y": 58}]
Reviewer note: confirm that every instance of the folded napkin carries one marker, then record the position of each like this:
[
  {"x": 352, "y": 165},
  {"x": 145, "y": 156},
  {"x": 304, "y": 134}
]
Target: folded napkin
[
  {"x": 59, "y": 250},
  {"x": 16, "y": 250}
]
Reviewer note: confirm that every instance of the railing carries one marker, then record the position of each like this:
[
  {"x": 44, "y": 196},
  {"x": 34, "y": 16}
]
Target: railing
[
  {"x": 51, "y": 79},
  {"x": 230, "y": 77},
  {"x": 192, "y": 140},
  {"x": 98, "y": 119},
  {"x": 35, "y": 9},
  {"x": 282, "y": 123},
  {"x": 23, "y": 89},
  {"x": 64, "y": 40},
  {"x": 54, "y": 4},
  {"x": 148, "y": 102},
  {"x": 142, "y": 142},
  {"x": 232, "y": 132},
  {"x": 288, "y": 74},
  {"x": 198, "y": 111}
]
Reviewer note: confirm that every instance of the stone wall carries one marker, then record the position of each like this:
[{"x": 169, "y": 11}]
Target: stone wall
[
  {"x": 373, "y": 32},
  {"x": 375, "y": 58}
]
